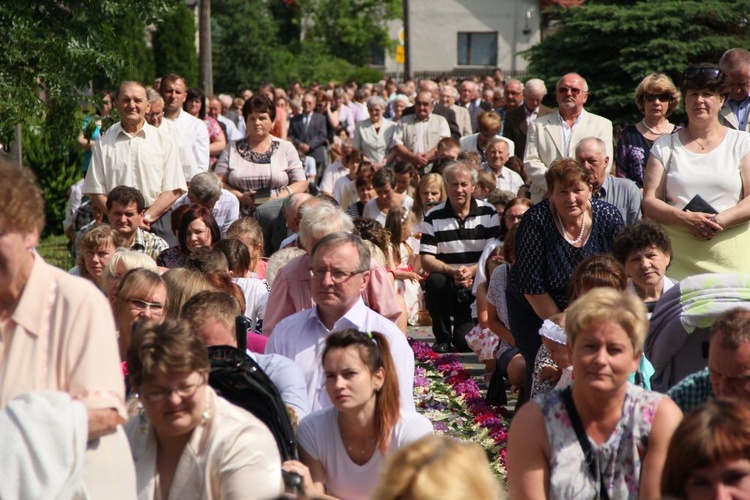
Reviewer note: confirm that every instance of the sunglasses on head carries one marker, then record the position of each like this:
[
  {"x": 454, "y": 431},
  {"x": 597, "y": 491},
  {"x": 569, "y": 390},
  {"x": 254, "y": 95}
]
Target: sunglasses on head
[
  {"x": 661, "y": 97},
  {"x": 707, "y": 72}
]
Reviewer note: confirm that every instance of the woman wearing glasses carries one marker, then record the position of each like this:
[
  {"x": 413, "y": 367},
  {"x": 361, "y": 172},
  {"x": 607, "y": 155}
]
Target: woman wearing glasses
[
  {"x": 141, "y": 296},
  {"x": 656, "y": 97},
  {"x": 697, "y": 183},
  {"x": 186, "y": 441}
]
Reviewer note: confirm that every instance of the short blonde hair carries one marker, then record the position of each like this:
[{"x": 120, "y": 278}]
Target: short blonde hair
[
  {"x": 489, "y": 121},
  {"x": 438, "y": 467},
  {"x": 607, "y": 305},
  {"x": 657, "y": 83},
  {"x": 131, "y": 260},
  {"x": 99, "y": 237}
]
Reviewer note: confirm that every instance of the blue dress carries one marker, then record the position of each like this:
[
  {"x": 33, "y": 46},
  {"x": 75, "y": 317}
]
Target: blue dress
[
  {"x": 545, "y": 261},
  {"x": 631, "y": 153}
]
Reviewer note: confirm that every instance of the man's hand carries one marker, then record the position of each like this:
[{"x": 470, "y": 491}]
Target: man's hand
[
  {"x": 304, "y": 147},
  {"x": 103, "y": 422}
]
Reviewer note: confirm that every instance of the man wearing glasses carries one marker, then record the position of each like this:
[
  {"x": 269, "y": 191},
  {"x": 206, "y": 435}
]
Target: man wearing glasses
[
  {"x": 418, "y": 135},
  {"x": 735, "y": 63},
  {"x": 556, "y": 135},
  {"x": 340, "y": 272}
]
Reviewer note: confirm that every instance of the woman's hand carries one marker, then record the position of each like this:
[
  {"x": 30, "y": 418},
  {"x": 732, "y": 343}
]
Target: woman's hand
[
  {"x": 247, "y": 198},
  {"x": 701, "y": 225},
  {"x": 307, "y": 487},
  {"x": 407, "y": 275}
]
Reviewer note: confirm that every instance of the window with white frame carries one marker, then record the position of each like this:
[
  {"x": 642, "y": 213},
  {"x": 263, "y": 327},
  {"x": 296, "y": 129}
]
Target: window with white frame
[{"x": 477, "y": 49}]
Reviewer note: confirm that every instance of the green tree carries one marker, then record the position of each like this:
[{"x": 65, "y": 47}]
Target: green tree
[
  {"x": 174, "y": 44},
  {"x": 614, "y": 44}
]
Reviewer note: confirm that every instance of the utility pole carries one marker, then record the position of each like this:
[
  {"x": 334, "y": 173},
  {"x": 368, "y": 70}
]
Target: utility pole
[
  {"x": 407, "y": 44},
  {"x": 205, "y": 70}
]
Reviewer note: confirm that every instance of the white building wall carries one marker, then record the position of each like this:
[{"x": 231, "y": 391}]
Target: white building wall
[{"x": 435, "y": 24}]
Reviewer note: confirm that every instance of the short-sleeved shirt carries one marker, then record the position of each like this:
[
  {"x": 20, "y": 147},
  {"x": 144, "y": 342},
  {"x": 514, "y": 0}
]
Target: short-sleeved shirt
[
  {"x": 545, "y": 261},
  {"x": 456, "y": 241}
]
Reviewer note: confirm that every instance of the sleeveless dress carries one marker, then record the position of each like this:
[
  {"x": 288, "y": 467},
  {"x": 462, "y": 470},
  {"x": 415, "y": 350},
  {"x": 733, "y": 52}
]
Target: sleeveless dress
[{"x": 620, "y": 457}]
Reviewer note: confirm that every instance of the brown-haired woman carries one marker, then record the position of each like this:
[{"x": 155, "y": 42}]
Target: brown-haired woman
[
  {"x": 97, "y": 248},
  {"x": 343, "y": 448},
  {"x": 197, "y": 228}
]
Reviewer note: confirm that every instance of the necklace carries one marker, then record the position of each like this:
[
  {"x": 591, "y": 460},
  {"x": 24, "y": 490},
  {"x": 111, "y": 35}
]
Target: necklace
[
  {"x": 703, "y": 146},
  {"x": 664, "y": 130},
  {"x": 362, "y": 451},
  {"x": 564, "y": 233}
]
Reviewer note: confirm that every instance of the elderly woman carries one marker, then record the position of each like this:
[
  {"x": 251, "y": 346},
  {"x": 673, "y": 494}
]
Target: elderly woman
[
  {"x": 58, "y": 335},
  {"x": 121, "y": 262},
  {"x": 195, "y": 104},
  {"x": 384, "y": 182},
  {"x": 260, "y": 166},
  {"x": 645, "y": 251},
  {"x": 186, "y": 441},
  {"x": 344, "y": 447},
  {"x": 97, "y": 248},
  {"x": 197, "y": 229},
  {"x": 142, "y": 295},
  {"x": 374, "y": 136},
  {"x": 697, "y": 183},
  {"x": 656, "y": 97},
  {"x": 400, "y": 103},
  {"x": 488, "y": 125},
  {"x": 601, "y": 437},
  {"x": 709, "y": 456},
  {"x": 553, "y": 237}
]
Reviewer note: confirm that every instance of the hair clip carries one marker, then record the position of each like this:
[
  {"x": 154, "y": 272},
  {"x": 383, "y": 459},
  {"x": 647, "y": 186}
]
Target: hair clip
[{"x": 371, "y": 337}]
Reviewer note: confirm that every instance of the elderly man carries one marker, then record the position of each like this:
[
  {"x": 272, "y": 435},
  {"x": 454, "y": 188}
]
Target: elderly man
[
  {"x": 291, "y": 290},
  {"x": 728, "y": 371},
  {"x": 418, "y": 134},
  {"x": 622, "y": 193},
  {"x": 155, "y": 117},
  {"x": 308, "y": 131},
  {"x": 735, "y": 63},
  {"x": 453, "y": 237},
  {"x": 517, "y": 121},
  {"x": 125, "y": 209},
  {"x": 445, "y": 111},
  {"x": 216, "y": 110},
  {"x": 448, "y": 97},
  {"x": 340, "y": 271},
  {"x": 513, "y": 96},
  {"x": 212, "y": 317},
  {"x": 206, "y": 190},
  {"x": 134, "y": 153},
  {"x": 469, "y": 98},
  {"x": 556, "y": 135},
  {"x": 174, "y": 92}
]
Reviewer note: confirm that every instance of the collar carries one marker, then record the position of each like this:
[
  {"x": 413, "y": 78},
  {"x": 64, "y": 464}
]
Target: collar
[
  {"x": 604, "y": 188},
  {"x": 142, "y": 132},
  {"x": 29, "y": 312},
  {"x": 578, "y": 119},
  {"x": 139, "y": 241},
  {"x": 353, "y": 318},
  {"x": 473, "y": 208}
]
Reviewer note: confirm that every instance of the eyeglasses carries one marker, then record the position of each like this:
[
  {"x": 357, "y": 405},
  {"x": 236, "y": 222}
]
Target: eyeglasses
[
  {"x": 141, "y": 305},
  {"x": 511, "y": 217},
  {"x": 184, "y": 391},
  {"x": 155, "y": 115},
  {"x": 660, "y": 97},
  {"x": 572, "y": 90},
  {"x": 338, "y": 277},
  {"x": 691, "y": 73}
]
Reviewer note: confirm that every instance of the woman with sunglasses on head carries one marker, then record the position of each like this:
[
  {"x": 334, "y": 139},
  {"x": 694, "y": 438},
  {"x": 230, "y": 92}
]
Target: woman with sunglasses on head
[
  {"x": 186, "y": 441},
  {"x": 697, "y": 182},
  {"x": 656, "y": 97},
  {"x": 343, "y": 448}
]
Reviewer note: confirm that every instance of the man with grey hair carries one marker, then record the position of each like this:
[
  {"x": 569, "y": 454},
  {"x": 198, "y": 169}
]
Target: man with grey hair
[
  {"x": 735, "y": 63},
  {"x": 513, "y": 96},
  {"x": 448, "y": 97},
  {"x": 622, "y": 193},
  {"x": 517, "y": 121},
  {"x": 556, "y": 135},
  {"x": 418, "y": 135},
  {"x": 291, "y": 290},
  {"x": 454, "y": 234},
  {"x": 205, "y": 190},
  {"x": 155, "y": 117},
  {"x": 441, "y": 110},
  {"x": 339, "y": 272},
  {"x": 469, "y": 98}
]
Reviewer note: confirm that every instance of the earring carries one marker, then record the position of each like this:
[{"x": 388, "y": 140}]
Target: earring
[
  {"x": 142, "y": 419},
  {"x": 206, "y": 416}
]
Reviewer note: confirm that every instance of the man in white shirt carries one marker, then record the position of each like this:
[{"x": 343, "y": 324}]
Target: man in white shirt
[
  {"x": 418, "y": 134},
  {"x": 133, "y": 153},
  {"x": 340, "y": 267},
  {"x": 174, "y": 92},
  {"x": 155, "y": 117}
]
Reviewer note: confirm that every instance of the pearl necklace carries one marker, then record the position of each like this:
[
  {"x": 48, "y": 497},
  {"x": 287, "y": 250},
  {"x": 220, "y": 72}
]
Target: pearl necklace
[
  {"x": 664, "y": 131},
  {"x": 564, "y": 233}
]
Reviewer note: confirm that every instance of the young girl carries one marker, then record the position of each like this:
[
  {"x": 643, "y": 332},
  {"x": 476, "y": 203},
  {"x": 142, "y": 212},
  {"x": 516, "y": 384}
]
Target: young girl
[
  {"x": 248, "y": 231},
  {"x": 430, "y": 189},
  {"x": 403, "y": 260},
  {"x": 343, "y": 448}
]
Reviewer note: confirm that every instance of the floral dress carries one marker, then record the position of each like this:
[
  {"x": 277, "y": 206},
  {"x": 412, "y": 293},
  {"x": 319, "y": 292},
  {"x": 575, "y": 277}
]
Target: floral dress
[{"x": 620, "y": 457}]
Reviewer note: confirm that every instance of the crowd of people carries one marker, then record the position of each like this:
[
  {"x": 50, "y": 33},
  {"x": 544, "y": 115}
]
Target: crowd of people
[{"x": 600, "y": 275}]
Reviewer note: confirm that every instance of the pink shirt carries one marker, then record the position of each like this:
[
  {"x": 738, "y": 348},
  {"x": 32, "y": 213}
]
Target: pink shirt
[{"x": 291, "y": 292}]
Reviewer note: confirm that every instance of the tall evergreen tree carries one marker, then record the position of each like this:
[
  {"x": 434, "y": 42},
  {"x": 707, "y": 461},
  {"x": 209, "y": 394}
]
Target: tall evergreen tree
[{"x": 174, "y": 45}]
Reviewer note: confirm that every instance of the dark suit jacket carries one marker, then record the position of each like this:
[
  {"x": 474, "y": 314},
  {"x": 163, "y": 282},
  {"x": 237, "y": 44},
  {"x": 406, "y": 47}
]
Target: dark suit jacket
[
  {"x": 515, "y": 127},
  {"x": 446, "y": 113},
  {"x": 314, "y": 136}
]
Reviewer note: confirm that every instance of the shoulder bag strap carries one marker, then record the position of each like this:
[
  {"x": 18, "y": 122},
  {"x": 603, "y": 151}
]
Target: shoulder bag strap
[{"x": 583, "y": 440}]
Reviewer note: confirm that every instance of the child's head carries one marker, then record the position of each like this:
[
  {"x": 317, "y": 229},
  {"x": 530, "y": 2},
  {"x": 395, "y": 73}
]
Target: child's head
[
  {"x": 400, "y": 224},
  {"x": 238, "y": 256},
  {"x": 552, "y": 329},
  {"x": 352, "y": 160},
  {"x": 494, "y": 260},
  {"x": 248, "y": 231},
  {"x": 485, "y": 184},
  {"x": 601, "y": 270}
]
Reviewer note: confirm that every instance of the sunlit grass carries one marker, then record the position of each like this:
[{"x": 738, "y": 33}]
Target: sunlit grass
[{"x": 54, "y": 250}]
